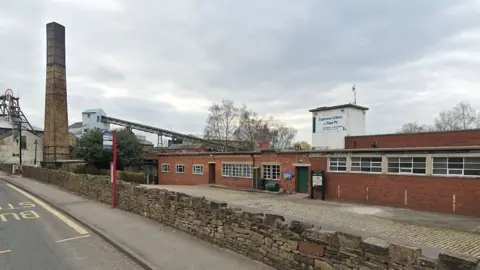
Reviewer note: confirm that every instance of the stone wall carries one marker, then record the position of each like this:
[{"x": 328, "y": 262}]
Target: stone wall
[{"x": 264, "y": 237}]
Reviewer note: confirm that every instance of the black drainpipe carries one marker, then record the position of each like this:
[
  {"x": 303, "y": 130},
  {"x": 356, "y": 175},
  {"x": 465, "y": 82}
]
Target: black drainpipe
[{"x": 253, "y": 175}]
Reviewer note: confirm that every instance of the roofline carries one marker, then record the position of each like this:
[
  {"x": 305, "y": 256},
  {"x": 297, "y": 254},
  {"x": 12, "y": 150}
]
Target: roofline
[
  {"x": 348, "y": 105},
  {"x": 328, "y": 151},
  {"x": 416, "y": 133}
]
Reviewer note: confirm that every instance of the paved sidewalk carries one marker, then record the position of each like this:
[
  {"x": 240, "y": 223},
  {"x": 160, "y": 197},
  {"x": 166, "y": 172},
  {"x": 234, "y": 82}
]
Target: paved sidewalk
[
  {"x": 158, "y": 246},
  {"x": 430, "y": 231}
]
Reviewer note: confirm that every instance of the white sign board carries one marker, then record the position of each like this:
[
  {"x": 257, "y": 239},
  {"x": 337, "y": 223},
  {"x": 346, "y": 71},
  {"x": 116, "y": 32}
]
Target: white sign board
[
  {"x": 330, "y": 123},
  {"x": 317, "y": 180},
  {"x": 107, "y": 141}
]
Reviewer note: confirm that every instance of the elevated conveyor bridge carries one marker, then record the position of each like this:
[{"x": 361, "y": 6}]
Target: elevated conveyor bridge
[{"x": 218, "y": 146}]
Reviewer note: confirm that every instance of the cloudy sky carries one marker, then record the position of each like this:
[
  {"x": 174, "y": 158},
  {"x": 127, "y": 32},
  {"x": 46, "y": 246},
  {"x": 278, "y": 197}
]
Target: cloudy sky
[{"x": 163, "y": 63}]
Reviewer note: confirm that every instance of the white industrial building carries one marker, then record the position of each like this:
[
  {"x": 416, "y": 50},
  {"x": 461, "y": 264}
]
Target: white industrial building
[
  {"x": 330, "y": 125},
  {"x": 91, "y": 119},
  {"x": 31, "y": 145}
]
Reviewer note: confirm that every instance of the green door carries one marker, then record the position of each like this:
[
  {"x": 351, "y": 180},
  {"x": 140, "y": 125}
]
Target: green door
[{"x": 302, "y": 179}]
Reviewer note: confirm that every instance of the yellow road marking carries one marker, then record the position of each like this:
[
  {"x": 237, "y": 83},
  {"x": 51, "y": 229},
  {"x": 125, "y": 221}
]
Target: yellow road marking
[
  {"x": 54, "y": 212},
  {"x": 5, "y": 251},
  {"x": 73, "y": 238}
]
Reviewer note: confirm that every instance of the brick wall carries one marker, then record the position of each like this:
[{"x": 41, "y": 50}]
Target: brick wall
[
  {"x": 286, "y": 162},
  {"x": 264, "y": 237},
  {"x": 425, "y": 193},
  {"x": 426, "y": 139}
]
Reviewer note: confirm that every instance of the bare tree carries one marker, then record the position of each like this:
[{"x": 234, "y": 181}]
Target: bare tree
[
  {"x": 462, "y": 116},
  {"x": 465, "y": 115},
  {"x": 251, "y": 128},
  {"x": 414, "y": 127},
  {"x": 225, "y": 122},
  {"x": 282, "y": 137},
  {"x": 222, "y": 121}
]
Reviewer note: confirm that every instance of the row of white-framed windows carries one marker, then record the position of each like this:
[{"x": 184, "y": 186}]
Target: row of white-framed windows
[
  {"x": 179, "y": 168},
  {"x": 407, "y": 165},
  {"x": 469, "y": 166},
  {"x": 237, "y": 170},
  {"x": 366, "y": 164},
  {"x": 455, "y": 166}
]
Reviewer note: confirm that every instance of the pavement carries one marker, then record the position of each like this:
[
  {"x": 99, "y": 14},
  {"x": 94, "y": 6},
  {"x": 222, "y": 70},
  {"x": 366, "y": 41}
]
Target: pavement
[
  {"x": 152, "y": 245},
  {"x": 432, "y": 232},
  {"x": 35, "y": 237}
]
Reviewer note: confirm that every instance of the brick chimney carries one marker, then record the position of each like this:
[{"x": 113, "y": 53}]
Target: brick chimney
[
  {"x": 56, "y": 138},
  {"x": 264, "y": 144}
]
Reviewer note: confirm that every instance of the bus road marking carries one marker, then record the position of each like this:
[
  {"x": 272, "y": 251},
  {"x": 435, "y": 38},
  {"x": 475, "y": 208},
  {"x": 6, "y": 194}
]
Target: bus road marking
[
  {"x": 54, "y": 212},
  {"x": 5, "y": 251},
  {"x": 72, "y": 238}
]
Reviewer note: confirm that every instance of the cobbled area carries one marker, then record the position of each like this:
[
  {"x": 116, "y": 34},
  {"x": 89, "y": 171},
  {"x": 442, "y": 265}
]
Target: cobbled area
[{"x": 467, "y": 243}]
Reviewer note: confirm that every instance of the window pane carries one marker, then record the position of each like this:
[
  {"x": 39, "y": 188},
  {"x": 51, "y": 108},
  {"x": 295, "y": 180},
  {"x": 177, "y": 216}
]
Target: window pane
[
  {"x": 439, "y": 171},
  {"x": 455, "y": 159},
  {"x": 472, "y": 166},
  {"x": 377, "y": 159},
  {"x": 440, "y": 159},
  {"x": 422, "y": 171},
  {"x": 355, "y": 159},
  {"x": 455, "y": 171},
  {"x": 471, "y": 172},
  {"x": 439, "y": 165},
  {"x": 472, "y": 160},
  {"x": 392, "y": 170},
  {"x": 342, "y": 169},
  {"x": 455, "y": 165},
  {"x": 406, "y": 165},
  {"x": 405, "y": 170},
  {"x": 376, "y": 169},
  {"x": 419, "y": 165},
  {"x": 420, "y": 159}
]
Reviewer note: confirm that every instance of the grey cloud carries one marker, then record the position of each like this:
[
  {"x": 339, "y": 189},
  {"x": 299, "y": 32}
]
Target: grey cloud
[{"x": 275, "y": 56}]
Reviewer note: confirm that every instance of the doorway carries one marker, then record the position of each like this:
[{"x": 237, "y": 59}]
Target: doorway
[
  {"x": 211, "y": 173},
  {"x": 302, "y": 179}
]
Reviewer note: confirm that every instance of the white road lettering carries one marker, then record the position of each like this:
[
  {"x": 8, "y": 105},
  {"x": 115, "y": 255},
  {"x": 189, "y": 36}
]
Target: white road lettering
[
  {"x": 5, "y": 251},
  {"x": 54, "y": 212}
]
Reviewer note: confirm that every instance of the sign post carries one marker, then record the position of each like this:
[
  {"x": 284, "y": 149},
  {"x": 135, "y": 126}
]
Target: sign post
[{"x": 110, "y": 142}]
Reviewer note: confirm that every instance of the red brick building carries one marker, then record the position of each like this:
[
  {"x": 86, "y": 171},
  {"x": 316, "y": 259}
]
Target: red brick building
[{"x": 437, "y": 171}]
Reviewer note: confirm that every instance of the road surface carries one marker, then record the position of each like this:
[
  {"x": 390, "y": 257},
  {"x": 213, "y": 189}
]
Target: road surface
[{"x": 35, "y": 236}]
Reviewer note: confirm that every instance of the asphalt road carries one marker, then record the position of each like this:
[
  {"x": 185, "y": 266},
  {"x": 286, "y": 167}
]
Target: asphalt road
[{"x": 34, "y": 236}]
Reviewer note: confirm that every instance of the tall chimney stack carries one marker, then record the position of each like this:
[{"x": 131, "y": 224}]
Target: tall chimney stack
[{"x": 56, "y": 137}]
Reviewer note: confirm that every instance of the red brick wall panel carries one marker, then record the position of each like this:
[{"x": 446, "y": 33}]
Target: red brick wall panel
[
  {"x": 426, "y": 193},
  {"x": 426, "y": 139}
]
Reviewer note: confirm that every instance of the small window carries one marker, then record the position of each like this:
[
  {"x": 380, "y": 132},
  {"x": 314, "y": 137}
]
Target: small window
[
  {"x": 197, "y": 169},
  {"x": 98, "y": 118},
  {"x": 366, "y": 164},
  {"x": 337, "y": 164},
  {"x": 408, "y": 165},
  {"x": 271, "y": 172},
  {"x": 456, "y": 166},
  {"x": 179, "y": 168},
  {"x": 165, "y": 167},
  {"x": 23, "y": 142}
]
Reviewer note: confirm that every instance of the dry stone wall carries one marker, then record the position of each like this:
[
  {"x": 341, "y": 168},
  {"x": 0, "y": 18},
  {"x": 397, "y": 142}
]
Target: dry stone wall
[{"x": 265, "y": 237}]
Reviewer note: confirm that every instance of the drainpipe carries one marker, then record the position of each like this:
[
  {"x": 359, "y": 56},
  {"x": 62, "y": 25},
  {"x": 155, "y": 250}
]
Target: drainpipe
[{"x": 253, "y": 175}]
